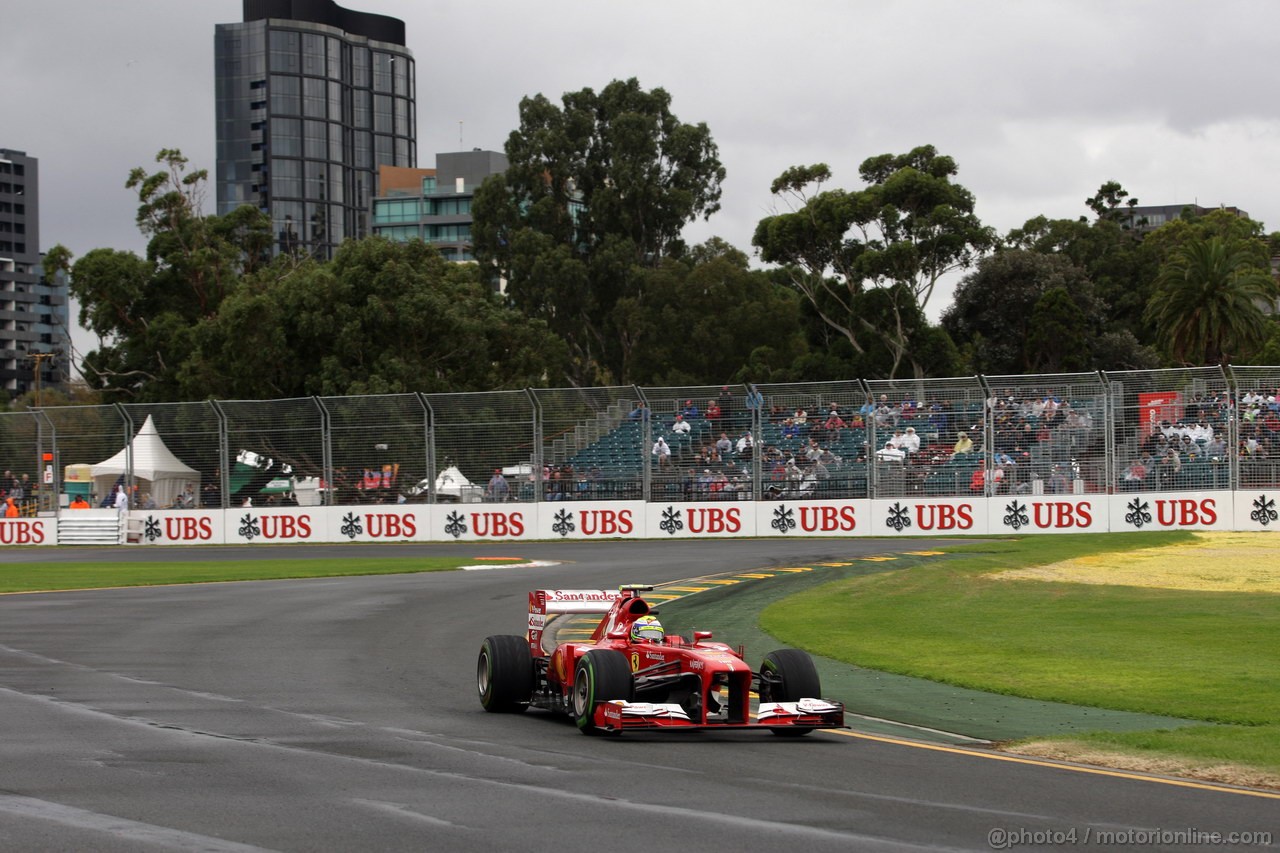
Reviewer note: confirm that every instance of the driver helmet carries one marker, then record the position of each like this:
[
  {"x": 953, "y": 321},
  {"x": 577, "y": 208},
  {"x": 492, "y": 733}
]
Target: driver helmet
[{"x": 647, "y": 629}]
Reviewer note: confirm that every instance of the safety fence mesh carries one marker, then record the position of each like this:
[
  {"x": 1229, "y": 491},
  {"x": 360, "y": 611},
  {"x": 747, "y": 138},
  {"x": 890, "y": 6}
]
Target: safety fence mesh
[{"x": 1107, "y": 432}]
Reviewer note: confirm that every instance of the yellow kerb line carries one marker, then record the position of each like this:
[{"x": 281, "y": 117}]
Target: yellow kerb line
[{"x": 1074, "y": 768}]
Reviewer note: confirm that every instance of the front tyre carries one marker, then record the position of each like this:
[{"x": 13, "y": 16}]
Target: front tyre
[
  {"x": 504, "y": 674},
  {"x": 788, "y": 675},
  {"x": 601, "y": 675}
]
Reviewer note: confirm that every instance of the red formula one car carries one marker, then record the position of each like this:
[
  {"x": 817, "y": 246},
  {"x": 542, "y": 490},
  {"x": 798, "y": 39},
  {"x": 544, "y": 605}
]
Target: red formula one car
[{"x": 630, "y": 675}]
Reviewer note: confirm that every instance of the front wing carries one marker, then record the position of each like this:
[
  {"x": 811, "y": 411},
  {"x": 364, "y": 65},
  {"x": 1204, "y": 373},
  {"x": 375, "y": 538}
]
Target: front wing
[{"x": 619, "y": 715}]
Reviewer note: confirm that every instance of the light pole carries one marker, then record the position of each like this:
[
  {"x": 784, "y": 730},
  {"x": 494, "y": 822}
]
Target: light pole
[{"x": 39, "y": 358}]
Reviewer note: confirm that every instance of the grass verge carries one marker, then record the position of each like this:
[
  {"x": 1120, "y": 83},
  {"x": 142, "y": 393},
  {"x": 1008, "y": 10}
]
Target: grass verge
[
  {"x": 49, "y": 577},
  {"x": 1206, "y": 656}
]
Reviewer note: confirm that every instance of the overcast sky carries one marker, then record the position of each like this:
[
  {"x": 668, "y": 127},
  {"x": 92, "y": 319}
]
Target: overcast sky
[{"x": 1038, "y": 102}]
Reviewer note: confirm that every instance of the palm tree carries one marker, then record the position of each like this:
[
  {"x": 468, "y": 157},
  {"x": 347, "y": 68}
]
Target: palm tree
[{"x": 1207, "y": 307}]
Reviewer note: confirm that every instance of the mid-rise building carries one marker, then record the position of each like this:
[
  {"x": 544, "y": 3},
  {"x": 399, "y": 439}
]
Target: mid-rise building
[
  {"x": 34, "y": 333},
  {"x": 1149, "y": 217},
  {"x": 434, "y": 205},
  {"x": 311, "y": 100}
]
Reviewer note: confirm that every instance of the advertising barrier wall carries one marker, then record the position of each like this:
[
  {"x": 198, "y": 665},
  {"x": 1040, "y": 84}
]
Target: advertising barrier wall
[{"x": 1012, "y": 514}]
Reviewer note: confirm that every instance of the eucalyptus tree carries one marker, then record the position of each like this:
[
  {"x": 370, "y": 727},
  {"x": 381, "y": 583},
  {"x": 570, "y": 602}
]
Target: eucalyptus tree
[
  {"x": 144, "y": 310},
  {"x": 597, "y": 191},
  {"x": 895, "y": 238}
]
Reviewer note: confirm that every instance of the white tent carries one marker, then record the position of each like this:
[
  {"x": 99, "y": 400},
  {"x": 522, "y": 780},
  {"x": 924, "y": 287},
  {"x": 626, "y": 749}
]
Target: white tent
[{"x": 155, "y": 469}]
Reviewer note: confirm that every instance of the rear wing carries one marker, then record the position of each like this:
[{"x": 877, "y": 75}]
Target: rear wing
[{"x": 547, "y": 602}]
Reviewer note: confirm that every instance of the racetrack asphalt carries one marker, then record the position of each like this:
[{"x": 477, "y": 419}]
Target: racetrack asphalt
[{"x": 341, "y": 714}]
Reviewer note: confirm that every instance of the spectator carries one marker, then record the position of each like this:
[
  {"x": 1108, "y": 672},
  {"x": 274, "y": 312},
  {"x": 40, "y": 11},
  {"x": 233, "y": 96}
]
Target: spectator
[
  {"x": 728, "y": 407},
  {"x": 713, "y": 413},
  {"x": 834, "y": 423},
  {"x": 639, "y": 413},
  {"x": 690, "y": 411},
  {"x": 723, "y": 445},
  {"x": 1134, "y": 476},
  {"x": 497, "y": 490},
  {"x": 890, "y": 452},
  {"x": 11, "y": 507},
  {"x": 79, "y": 503},
  {"x": 681, "y": 426},
  {"x": 910, "y": 441},
  {"x": 663, "y": 451},
  {"x": 147, "y": 502},
  {"x": 755, "y": 402},
  {"x": 1170, "y": 467},
  {"x": 963, "y": 444},
  {"x": 745, "y": 445},
  {"x": 187, "y": 498}
]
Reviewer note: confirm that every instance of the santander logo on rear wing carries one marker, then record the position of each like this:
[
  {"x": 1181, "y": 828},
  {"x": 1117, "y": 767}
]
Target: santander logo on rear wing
[{"x": 543, "y": 602}]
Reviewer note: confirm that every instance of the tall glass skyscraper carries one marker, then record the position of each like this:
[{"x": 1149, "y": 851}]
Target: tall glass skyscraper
[
  {"x": 311, "y": 99},
  {"x": 35, "y": 339}
]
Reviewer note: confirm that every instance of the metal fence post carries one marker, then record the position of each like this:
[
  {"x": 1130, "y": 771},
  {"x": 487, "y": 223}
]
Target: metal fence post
[
  {"x": 326, "y": 441},
  {"x": 646, "y": 446},
  {"x": 535, "y": 457},
  {"x": 48, "y": 491},
  {"x": 224, "y": 462},
  {"x": 429, "y": 438}
]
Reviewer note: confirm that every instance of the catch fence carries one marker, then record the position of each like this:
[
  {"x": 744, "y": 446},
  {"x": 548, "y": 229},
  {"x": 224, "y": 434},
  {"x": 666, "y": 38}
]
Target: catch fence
[{"x": 1188, "y": 429}]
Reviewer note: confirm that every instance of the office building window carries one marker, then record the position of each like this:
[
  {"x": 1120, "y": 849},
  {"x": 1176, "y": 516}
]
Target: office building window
[
  {"x": 336, "y": 183},
  {"x": 315, "y": 135},
  {"x": 286, "y": 137},
  {"x": 360, "y": 76},
  {"x": 286, "y": 178},
  {"x": 362, "y": 154},
  {"x": 335, "y": 102},
  {"x": 313, "y": 54},
  {"x": 286, "y": 95},
  {"x": 316, "y": 183},
  {"x": 284, "y": 51},
  {"x": 382, "y": 63},
  {"x": 402, "y": 117},
  {"x": 362, "y": 108},
  {"x": 334, "y": 68},
  {"x": 382, "y": 114},
  {"x": 314, "y": 97},
  {"x": 336, "y": 132}
]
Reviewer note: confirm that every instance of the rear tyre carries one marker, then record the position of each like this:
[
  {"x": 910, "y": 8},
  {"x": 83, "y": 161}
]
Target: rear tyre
[
  {"x": 601, "y": 675},
  {"x": 504, "y": 674},
  {"x": 788, "y": 675}
]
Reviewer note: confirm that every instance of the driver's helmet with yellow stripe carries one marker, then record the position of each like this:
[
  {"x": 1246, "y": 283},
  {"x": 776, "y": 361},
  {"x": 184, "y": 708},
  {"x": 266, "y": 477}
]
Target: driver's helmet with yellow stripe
[{"x": 647, "y": 629}]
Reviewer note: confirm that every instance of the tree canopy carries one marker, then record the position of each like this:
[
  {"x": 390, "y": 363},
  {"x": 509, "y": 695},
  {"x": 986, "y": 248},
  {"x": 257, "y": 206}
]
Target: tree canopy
[
  {"x": 909, "y": 226},
  {"x": 598, "y": 191}
]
